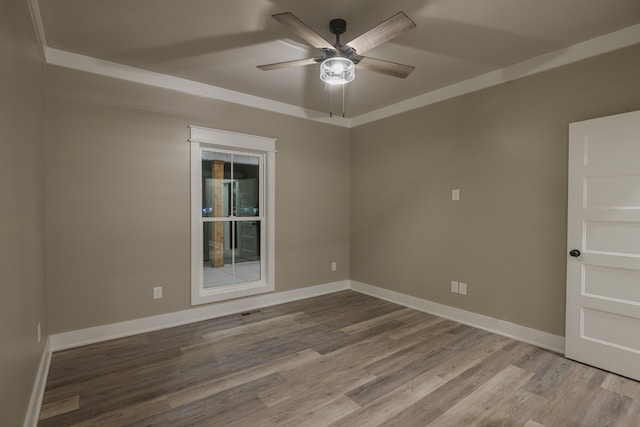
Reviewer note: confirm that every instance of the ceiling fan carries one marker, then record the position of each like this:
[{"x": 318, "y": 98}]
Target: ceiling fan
[{"x": 338, "y": 61}]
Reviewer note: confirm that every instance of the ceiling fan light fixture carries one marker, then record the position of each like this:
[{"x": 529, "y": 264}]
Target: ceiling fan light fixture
[{"x": 337, "y": 70}]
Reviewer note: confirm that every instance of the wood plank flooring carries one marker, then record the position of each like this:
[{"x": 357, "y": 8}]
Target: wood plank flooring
[{"x": 344, "y": 359}]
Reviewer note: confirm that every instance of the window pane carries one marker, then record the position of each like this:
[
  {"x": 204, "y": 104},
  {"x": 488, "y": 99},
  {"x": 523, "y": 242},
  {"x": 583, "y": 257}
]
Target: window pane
[
  {"x": 246, "y": 177},
  {"x": 247, "y": 255},
  {"x": 231, "y": 253},
  {"x": 216, "y": 179},
  {"x": 217, "y": 254}
]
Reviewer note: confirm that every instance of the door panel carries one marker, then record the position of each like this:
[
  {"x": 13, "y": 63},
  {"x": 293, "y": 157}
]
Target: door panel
[
  {"x": 598, "y": 281},
  {"x": 613, "y": 148},
  {"x": 609, "y": 329},
  {"x": 612, "y": 237},
  {"x": 603, "y": 283},
  {"x": 599, "y": 194}
]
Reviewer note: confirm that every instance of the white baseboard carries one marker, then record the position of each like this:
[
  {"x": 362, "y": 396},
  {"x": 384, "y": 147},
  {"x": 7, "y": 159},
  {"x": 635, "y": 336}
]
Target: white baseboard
[
  {"x": 518, "y": 332},
  {"x": 33, "y": 411},
  {"x": 81, "y": 337},
  {"x": 122, "y": 329}
]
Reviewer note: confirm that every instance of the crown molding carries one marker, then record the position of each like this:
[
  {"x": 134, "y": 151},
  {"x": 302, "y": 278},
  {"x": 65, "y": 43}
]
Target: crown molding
[
  {"x": 124, "y": 72},
  {"x": 609, "y": 42},
  {"x": 583, "y": 50},
  {"x": 36, "y": 18},
  {"x": 587, "y": 49}
]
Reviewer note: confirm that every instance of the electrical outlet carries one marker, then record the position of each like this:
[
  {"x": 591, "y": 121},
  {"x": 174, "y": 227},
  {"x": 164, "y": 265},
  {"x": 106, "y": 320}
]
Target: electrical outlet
[
  {"x": 455, "y": 194},
  {"x": 454, "y": 287},
  {"x": 157, "y": 292},
  {"x": 462, "y": 288},
  {"x": 334, "y": 266},
  {"x": 39, "y": 333}
]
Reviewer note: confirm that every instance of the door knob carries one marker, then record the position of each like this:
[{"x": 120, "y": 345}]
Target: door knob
[{"x": 574, "y": 253}]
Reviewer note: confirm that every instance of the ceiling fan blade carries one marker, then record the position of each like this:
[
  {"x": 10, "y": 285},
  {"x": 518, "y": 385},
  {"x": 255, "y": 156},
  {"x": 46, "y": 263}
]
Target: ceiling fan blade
[
  {"x": 385, "y": 67},
  {"x": 294, "y": 63},
  {"x": 382, "y": 33},
  {"x": 290, "y": 21}
]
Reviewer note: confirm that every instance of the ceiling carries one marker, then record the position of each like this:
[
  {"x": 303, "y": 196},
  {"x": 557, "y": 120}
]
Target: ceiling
[{"x": 220, "y": 42}]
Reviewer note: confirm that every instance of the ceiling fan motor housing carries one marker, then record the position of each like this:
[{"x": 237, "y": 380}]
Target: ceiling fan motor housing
[{"x": 338, "y": 26}]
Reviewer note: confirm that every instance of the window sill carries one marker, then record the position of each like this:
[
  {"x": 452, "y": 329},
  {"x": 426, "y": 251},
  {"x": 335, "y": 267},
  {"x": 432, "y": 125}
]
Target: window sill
[{"x": 227, "y": 292}]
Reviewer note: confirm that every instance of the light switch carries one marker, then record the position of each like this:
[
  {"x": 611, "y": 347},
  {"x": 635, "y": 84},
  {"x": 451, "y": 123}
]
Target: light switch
[{"x": 455, "y": 194}]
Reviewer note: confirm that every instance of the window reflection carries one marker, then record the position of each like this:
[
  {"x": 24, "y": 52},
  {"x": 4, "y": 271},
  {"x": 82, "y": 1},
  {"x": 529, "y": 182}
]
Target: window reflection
[
  {"x": 230, "y": 189},
  {"x": 230, "y": 185}
]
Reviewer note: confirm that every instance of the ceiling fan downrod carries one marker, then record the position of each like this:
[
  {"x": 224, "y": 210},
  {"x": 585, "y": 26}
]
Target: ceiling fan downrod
[{"x": 338, "y": 27}]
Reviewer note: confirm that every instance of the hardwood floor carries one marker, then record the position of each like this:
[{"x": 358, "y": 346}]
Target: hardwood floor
[{"x": 344, "y": 359}]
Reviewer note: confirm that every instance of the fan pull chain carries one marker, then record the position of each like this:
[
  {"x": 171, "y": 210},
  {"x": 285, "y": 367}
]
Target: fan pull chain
[
  {"x": 331, "y": 90},
  {"x": 330, "y": 103}
]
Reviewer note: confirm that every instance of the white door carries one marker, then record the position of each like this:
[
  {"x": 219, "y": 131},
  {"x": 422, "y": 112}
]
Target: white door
[{"x": 603, "y": 257}]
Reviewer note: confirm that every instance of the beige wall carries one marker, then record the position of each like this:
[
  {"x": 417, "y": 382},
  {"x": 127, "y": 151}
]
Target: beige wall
[
  {"x": 118, "y": 196},
  {"x": 375, "y": 199},
  {"x": 22, "y": 296},
  {"x": 505, "y": 148}
]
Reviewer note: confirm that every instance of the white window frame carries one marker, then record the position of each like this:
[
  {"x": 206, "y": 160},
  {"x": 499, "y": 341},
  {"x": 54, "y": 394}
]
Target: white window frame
[{"x": 208, "y": 139}]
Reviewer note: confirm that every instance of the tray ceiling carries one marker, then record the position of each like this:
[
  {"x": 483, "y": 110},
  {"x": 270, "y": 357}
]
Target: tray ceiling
[{"x": 220, "y": 43}]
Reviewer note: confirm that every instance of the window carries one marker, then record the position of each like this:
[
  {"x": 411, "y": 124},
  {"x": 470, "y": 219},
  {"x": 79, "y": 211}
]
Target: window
[{"x": 232, "y": 215}]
